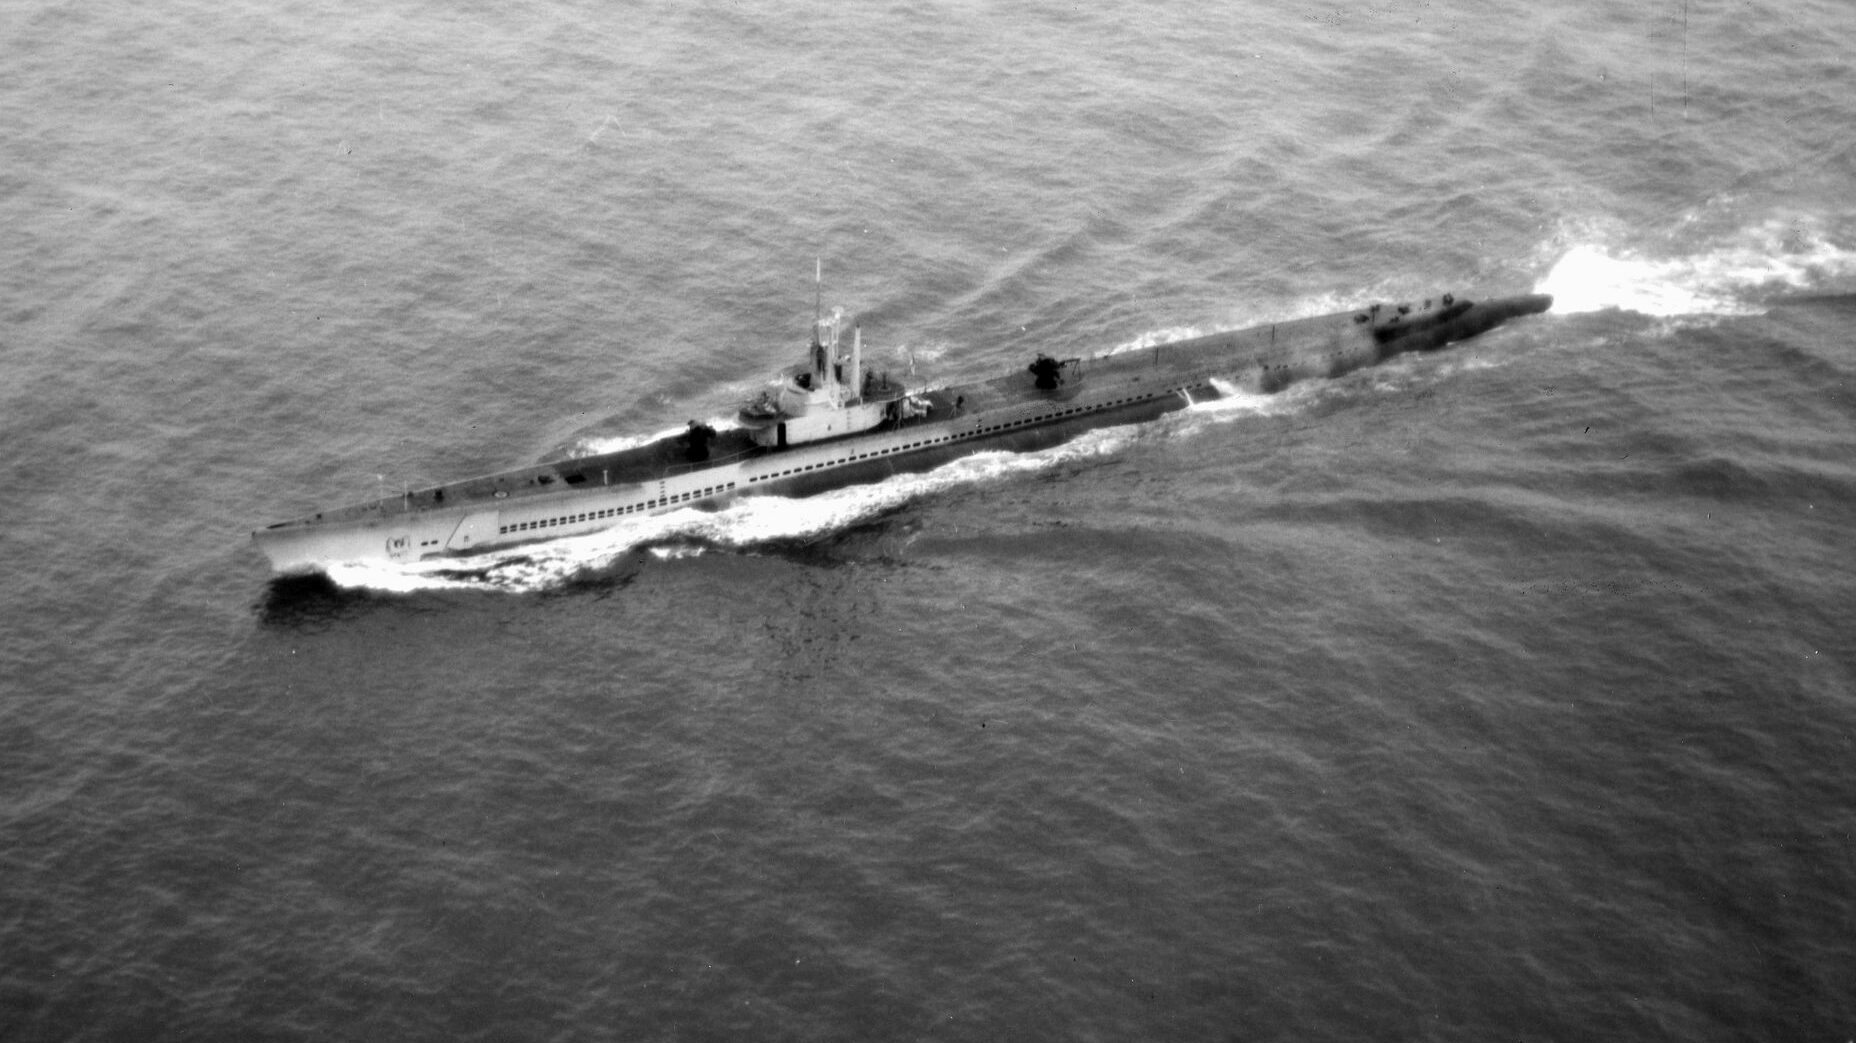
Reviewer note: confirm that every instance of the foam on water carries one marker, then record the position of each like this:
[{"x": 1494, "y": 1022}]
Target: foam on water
[
  {"x": 1235, "y": 403},
  {"x": 1157, "y": 337},
  {"x": 594, "y": 445},
  {"x": 1735, "y": 277}
]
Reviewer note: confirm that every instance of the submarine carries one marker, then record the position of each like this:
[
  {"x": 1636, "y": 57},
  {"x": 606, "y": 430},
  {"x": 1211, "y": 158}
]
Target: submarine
[{"x": 830, "y": 421}]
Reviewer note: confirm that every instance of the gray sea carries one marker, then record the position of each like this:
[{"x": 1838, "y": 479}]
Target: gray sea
[{"x": 1506, "y": 693}]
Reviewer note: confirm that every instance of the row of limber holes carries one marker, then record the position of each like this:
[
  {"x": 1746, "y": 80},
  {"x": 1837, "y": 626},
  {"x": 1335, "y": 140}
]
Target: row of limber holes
[
  {"x": 613, "y": 512},
  {"x": 970, "y": 434}
]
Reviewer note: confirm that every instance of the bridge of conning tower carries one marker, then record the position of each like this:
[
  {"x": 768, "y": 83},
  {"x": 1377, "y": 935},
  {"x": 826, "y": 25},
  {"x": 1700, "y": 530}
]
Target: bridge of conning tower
[
  {"x": 828, "y": 395},
  {"x": 827, "y": 379}
]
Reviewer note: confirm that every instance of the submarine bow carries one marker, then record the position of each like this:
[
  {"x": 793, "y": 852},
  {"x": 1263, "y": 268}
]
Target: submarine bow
[{"x": 1457, "y": 321}]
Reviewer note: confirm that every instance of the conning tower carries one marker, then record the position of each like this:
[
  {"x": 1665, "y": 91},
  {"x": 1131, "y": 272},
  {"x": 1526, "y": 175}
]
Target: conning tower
[{"x": 829, "y": 395}]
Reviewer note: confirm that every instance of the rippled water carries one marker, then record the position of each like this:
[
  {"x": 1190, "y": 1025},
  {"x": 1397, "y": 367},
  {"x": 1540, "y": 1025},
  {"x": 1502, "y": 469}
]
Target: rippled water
[{"x": 1499, "y": 693}]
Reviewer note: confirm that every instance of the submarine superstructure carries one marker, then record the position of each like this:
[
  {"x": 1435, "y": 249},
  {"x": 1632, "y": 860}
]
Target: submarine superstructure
[{"x": 829, "y": 422}]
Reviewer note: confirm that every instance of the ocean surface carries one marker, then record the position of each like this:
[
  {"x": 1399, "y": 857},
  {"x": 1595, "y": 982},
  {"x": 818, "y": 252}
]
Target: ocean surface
[{"x": 1502, "y": 693}]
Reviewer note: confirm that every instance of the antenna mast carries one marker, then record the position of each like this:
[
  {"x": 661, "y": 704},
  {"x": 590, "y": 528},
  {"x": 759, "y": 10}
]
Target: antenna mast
[{"x": 818, "y": 294}]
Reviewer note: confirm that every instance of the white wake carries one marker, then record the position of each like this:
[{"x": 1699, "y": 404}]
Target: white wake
[{"x": 1735, "y": 277}]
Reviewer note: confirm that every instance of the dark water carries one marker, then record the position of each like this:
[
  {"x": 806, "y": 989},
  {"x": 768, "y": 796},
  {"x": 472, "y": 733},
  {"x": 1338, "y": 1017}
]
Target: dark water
[{"x": 1504, "y": 693}]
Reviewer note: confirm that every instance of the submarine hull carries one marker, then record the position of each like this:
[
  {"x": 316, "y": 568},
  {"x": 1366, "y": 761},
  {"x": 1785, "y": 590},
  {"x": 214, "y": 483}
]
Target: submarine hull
[
  {"x": 1027, "y": 440},
  {"x": 1051, "y": 403}
]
